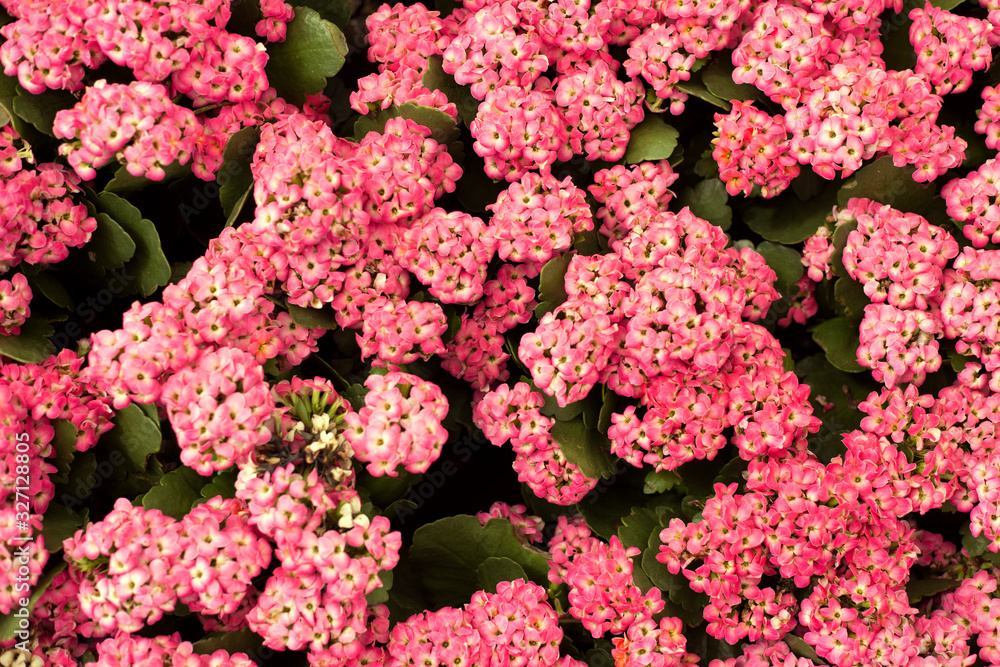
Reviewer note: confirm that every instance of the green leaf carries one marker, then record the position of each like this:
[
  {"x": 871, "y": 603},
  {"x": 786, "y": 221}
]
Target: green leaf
[
  {"x": 223, "y": 484},
  {"x": 851, "y": 295},
  {"x": 718, "y": 79},
  {"x": 707, "y": 200},
  {"x": 179, "y": 490},
  {"x": 381, "y": 594},
  {"x": 787, "y": 219},
  {"x": 442, "y": 126},
  {"x": 314, "y": 50},
  {"x": 124, "y": 182},
  {"x": 337, "y": 12},
  {"x": 785, "y": 262},
  {"x": 241, "y": 641},
  {"x": 884, "y": 182},
  {"x": 839, "y": 242},
  {"x": 803, "y": 650},
  {"x": 587, "y": 448},
  {"x": 313, "y": 318},
  {"x": 660, "y": 482},
  {"x": 148, "y": 267},
  {"x": 552, "y": 284},
  {"x": 435, "y": 78},
  {"x": 46, "y": 284},
  {"x": 652, "y": 139},
  {"x": 110, "y": 246},
  {"x": 447, "y": 553},
  {"x": 840, "y": 342},
  {"x": 135, "y": 435},
  {"x": 32, "y": 344},
  {"x": 40, "y": 110},
  {"x": 60, "y": 523},
  {"x": 235, "y": 178},
  {"x": 64, "y": 444},
  {"x": 835, "y": 396},
  {"x": 609, "y": 403},
  {"x": 696, "y": 88},
  {"x": 9, "y": 622},
  {"x": 637, "y": 527},
  {"x": 494, "y": 570},
  {"x": 919, "y": 589}
]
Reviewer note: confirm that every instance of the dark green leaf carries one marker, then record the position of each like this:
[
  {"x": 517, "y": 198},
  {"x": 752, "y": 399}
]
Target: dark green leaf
[
  {"x": 785, "y": 262},
  {"x": 31, "y": 345},
  {"x": 435, "y": 78},
  {"x": 135, "y": 435},
  {"x": 60, "y": 523},
  {"x": 840, "y": 342},
  {"x": 447, "y": 553},
  {"x": 918, "y": 589},
  {"x": 609, "y": 404},
  {"x": 235, "y": 178},
  {"x": 718, "y": 79},
  {"x": 839, "y": 241},
  {"x": 124, "y": 182},
  {"x": 947, "y": 5},
  {"x": 148, "y": 268},
  {"x": 45, "y": 283},
  {"x": 179, "y": 490},
  {"x": 241, "y": 641},
  {"x": 660, "y": 482},
  {"x": 110, "y": 246},
  {"x": 222, "y": 484},
  {"x": 40, "y": 110},
  {"x": 884, "y": 182},
  {"x": 64, "y": 444},
  {"x": 381, "y": 594},
  {"x": 803, "y": 650},
  {"x": 313, "y": 50},
  {"x": 552, "y": 284},
  {"x": 696, "y": 88},
  {"x": 313, "y": 318},
  {"x": 637, "y": 527},
  {"x": 851, "y": 295},
  {"x": 708, "y": 201},
  {"x": 652, "y": 139},
  {"x": 587, "y": 448},
  {"x": 788, "y": 220},
  {"x": 494, "y": 570},
  {"x": 337, "y": 12}
]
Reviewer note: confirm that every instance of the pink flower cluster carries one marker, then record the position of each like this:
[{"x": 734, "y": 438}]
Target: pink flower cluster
[
  {"x": 599, "y": 109},
  {"x": 400, "y": 332},
  {"x": 136, "y": 124},
  {"x": 126, "y": 650},
  {"x": 969, "y": 308},
  {"x": 988, "y": 118},
  {"x": 15, "y": 295},
  {"x": 753, "y": 148},
  {"x": 949, "y": 47},
  {"x": 136, "y": 564},
  {"x": 900, "y": 260},
  {"x": 185, "y": 43},
  {"x": 514, "y": 626},
  {"x": 974, "y": 201},
  {"x": 219, "y": 409},
  {"x": 625, "y": 192},
  {"x": 537, "y": 217},
  {"x": 400, "y": 425},
  {"x": 512, "y": 414},
  {"x": 39, "y": 221}
]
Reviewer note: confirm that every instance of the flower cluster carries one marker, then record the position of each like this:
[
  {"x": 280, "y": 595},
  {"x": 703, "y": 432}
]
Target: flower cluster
[
  {"x": 183, "y": 43},
  {"x": 400, "y": 424},
  {"x": 136, "y": 564},
  {"x": 15, "y": 295},
  {"x": 135, "y": 124},
  {"x": 401, "y": 332},
  {"x": 973, "y": 200},
  {"x": 513, "y": 414},
  {"x": 625, "y": 192},
  {"x": 124, "y": 650},
  {"x": 219, "y": 409},
  {"x": 752, "y": 148},
  {"x": 527, "y": 528},
  {"x": 988, "y": 118},
  {"x": 39, "y": 221},
  {"x": 949, "y": 47},
  {"x": 969, "y": 310}
]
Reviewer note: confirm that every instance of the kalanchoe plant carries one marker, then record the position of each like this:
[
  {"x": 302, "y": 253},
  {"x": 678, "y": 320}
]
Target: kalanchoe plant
[{"x": 715, "y": 280}]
